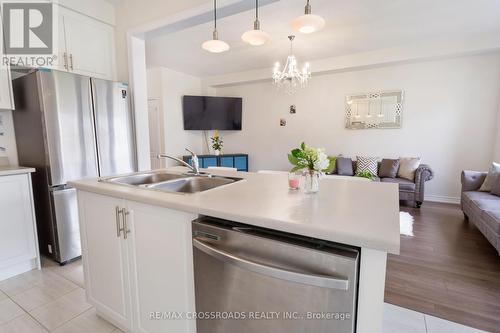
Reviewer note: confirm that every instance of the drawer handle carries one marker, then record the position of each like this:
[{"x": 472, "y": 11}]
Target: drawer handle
[
  {"x": 126, "y": 230},
  {"x": 119, "y": 229},
  {"x": 317, "y": 280}
]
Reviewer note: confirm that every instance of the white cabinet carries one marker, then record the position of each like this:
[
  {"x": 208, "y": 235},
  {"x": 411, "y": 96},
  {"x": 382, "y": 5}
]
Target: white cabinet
[
  {"x": 105, "y": 258},
  {"x": 86, "y": 45},
  {"x": 18, "y": 243},
  {"x": 137, "y": 257}
]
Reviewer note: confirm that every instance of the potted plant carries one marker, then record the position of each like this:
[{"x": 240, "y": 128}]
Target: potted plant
[
  {"x": 314, "y": 162},
  {"x": 217, "y": 143}
]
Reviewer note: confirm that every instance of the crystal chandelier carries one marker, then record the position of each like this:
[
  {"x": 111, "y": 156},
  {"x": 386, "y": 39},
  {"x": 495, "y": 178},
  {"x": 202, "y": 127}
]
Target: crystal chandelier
[{"x": 291, "y": 77}]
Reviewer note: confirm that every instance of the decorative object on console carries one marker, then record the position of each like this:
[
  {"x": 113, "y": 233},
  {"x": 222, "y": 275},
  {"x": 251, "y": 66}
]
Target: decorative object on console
[
  {"x": 314, "y": 162},
  {"x": 294, "y": 180},
  {"x": 215, "y": 45},
  {"x": 407, "y": 167},
  {"x": 367, "y": 164},
  {"x": 388, "y": 168},
  {"x": 383, "y": 109},
  {"x": 256, "y": 37},
  {"x": 217, "y": 143},
  {"x": 308, "y": 23},
  {"x": 291, "y": 77},
  {"x": 490, "y": 178}
]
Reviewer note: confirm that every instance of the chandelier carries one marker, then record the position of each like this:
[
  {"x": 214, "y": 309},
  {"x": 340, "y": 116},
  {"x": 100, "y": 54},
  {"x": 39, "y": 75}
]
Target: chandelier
[{"x": 291, "y": 77}]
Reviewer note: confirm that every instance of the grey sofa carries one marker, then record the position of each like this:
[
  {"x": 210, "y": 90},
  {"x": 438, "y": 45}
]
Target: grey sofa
[
  {"x": 481, "y": 208},
  {"x": 409, "y": 191}
]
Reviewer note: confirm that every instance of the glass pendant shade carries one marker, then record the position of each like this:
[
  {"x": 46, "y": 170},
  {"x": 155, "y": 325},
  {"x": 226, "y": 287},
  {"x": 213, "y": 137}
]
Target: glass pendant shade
[
  {"x": 255, "y": 37},
  {"x": 308, "y": 23}
]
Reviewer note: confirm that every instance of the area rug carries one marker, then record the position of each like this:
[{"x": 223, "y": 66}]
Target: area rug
[{"x": 405, "y": 224}]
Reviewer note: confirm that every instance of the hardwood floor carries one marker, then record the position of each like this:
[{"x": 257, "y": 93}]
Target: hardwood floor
[{"x": 448, "y": 269}]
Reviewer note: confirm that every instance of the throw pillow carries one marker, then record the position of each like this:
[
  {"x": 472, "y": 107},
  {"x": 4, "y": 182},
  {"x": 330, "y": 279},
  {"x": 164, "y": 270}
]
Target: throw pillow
[
  {"x": 367, "y": 164},
  {"x": 496, "y": 187},
  {"x": 388, "y": 168},
  {"x": 407, "y": 167},
  {"x": 490, "y": 177},
  {"x": 344, "y": 166}
]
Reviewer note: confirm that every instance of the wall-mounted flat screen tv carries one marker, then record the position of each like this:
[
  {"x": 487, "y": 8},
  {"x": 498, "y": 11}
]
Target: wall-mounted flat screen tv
[{"x": 210, "y": 113}]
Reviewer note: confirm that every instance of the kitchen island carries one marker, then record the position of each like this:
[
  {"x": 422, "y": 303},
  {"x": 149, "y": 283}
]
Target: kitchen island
[{"x": 138, "y": 250}]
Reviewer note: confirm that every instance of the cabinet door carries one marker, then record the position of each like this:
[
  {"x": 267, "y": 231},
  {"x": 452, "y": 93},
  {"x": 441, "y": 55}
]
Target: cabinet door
[
  {"x": 105, "y": 257},
  {"x": 90, "y": 45},
  {"x": 6, "y": 98},
  {"x": 61, "y": 61},
  {"x": 161, "y": 267},
  {"x": 17, "y": 225}
]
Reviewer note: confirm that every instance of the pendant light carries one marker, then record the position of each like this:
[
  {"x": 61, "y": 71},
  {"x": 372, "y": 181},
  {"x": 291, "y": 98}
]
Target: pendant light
[
  {"x": 256, "y": 37},
  {"x": 215, "y": 45},
  {"x": 308, "y": 23}
]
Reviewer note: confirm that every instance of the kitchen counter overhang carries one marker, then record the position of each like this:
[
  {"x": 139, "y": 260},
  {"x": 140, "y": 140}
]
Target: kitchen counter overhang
[{"x": 362, "y": 214}]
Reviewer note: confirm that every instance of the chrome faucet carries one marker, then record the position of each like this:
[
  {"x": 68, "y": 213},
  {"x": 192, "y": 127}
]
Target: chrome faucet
[{"x": 194, "y": 168}]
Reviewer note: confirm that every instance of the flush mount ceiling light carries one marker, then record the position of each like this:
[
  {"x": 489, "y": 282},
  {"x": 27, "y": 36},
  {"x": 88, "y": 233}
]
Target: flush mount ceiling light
[
  {"x": 308, "y": 23},
  {"x": 256, "y": 37},
  {"x": 215, "y": 45},
  {"x": 291, "y": 77}
]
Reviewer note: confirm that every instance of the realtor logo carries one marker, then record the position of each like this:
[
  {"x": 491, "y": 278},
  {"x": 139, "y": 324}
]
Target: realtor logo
[{"x": 28, "y": 28}]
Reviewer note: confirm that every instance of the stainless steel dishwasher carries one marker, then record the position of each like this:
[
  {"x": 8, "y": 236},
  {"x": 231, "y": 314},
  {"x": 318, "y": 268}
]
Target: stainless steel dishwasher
[{"x": 249, "y": 279}]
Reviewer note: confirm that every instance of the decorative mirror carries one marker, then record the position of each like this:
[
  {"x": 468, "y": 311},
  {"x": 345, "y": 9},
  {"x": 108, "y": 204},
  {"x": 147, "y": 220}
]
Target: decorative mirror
[{"x": 382, "y": 109}]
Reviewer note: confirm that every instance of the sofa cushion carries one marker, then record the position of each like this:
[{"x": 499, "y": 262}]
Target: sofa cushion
[
  {"x": 470, "y": 196},
  {"x": 408, "y": 166},
  {"x": 492, "y": 219},
  {"x": 487, "y": 204},
  {"x": 388, "y": 168},
  {"x": 495, "y": 190},
  {"x": 344, "y": 166},
  {"x": 367, "y": 164},
  {"x": 491, "y": 177},
  {"x": 404, "y": 184}
]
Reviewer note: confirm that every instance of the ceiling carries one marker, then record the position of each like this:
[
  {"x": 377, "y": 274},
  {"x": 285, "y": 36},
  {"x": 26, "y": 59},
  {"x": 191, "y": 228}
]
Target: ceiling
[{"x": 351, "y": 27}]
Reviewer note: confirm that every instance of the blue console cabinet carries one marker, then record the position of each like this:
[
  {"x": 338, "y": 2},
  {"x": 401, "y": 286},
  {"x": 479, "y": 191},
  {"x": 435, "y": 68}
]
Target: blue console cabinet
[{"x": 238, "y": 161}]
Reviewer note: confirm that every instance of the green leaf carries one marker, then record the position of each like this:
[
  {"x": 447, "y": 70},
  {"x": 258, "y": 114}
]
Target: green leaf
[
  {"x": 293, "y": 160},
  {"x": 296, "y": 153},
  {"x": 303, "y": 146}
]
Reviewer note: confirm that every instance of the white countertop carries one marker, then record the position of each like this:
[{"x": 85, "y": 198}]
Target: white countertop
[
  {"x": 8, "y": 170},
  {"x": 363, "y": 214}
]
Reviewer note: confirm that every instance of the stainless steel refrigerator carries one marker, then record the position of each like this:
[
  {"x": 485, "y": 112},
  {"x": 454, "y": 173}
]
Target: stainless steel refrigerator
[{"x": 69, "y": 127}]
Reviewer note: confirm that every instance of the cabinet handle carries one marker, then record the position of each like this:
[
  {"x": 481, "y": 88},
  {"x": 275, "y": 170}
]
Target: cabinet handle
[
  {"x": 126, "y": 230},
  {"x": 65, "y": 57},
  {"x": 71, "y": 61},
  {"x": 119, "y": 229}
]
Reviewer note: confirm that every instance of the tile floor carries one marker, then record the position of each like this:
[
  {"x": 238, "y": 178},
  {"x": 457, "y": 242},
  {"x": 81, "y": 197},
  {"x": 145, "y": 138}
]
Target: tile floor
[{"x": 53, "y": 300}]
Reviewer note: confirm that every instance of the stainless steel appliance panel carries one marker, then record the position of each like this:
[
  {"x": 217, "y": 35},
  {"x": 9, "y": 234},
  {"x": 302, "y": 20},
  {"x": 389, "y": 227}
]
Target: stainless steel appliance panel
[
  {"x": 69, "y": 126},
  {"x": 279, "y": 281},
  {"x": 115, "y": 128},
  {"x": 65, "y": 208}
]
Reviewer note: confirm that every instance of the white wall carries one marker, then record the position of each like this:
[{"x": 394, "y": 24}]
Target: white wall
[
  {"x": 449, "y": 118},
  {"x": 497, "y": 141},
  {"x": 169, "y": 86},
  {"x": 132, "y": 13}
]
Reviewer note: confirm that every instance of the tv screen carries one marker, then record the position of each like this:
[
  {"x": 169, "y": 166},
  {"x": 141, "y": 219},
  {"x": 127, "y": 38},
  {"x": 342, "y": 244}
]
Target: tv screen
[{"x": 210, "y": 113}]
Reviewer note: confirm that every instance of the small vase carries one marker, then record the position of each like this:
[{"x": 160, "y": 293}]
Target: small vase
[
  {"x": 217, "y": 152},
  {"x": 311, "y": 183}
]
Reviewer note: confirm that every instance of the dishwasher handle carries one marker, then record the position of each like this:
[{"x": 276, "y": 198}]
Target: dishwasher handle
[{"x": 322, "y": 281}]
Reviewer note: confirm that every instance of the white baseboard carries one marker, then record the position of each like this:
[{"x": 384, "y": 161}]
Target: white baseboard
[{"x": 443, "y": 199}]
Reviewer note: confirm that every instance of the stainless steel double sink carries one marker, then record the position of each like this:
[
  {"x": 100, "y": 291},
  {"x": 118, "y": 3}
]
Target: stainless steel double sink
[{"x": 171, "y": 182}]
